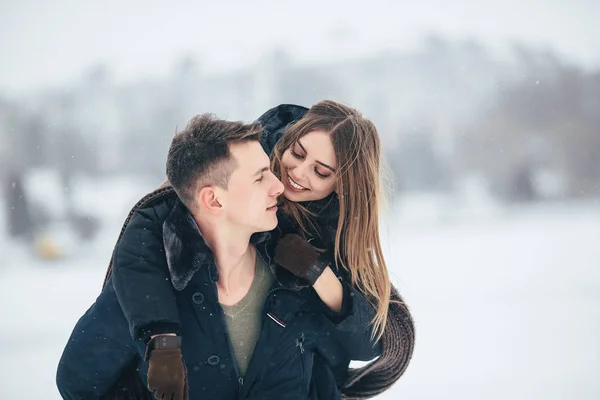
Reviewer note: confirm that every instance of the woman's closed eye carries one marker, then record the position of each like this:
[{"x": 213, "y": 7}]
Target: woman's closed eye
[
  {"x": 298, "y": 156},
  {"x": 320, "y": 175}
]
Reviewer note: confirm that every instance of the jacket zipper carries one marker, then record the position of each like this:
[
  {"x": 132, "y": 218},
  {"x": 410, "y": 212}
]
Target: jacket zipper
[
  {"x": 300, "y": 345},
  {"x": 231, "y": 351},
  {"x": 275, "y": 289}
]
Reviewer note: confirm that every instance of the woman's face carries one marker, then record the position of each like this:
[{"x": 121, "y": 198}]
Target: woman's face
[{"x": 308, "y": 168}]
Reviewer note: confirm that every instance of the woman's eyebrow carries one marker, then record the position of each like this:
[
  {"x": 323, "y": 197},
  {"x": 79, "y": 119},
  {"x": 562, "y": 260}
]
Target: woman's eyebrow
[{"x": 318, "y": 162}]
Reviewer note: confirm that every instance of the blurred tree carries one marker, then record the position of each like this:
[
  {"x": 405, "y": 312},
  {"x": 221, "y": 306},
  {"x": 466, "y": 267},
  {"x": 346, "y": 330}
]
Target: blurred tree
[{"x": 546, "y": 119}]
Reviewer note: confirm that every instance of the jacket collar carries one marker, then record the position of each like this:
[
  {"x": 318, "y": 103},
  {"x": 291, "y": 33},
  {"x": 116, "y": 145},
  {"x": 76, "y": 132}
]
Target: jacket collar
[{"x": 187, "y": 252}]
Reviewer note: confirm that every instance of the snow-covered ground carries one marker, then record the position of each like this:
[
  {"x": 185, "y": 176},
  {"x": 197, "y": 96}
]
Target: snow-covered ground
[
  {"x": 507, "y": 304},
  {"x": 504, "y": 309}
]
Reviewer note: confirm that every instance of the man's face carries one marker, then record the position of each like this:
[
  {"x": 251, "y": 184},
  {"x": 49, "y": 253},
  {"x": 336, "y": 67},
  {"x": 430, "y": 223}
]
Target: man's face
[{"x": 250, "y": 200}]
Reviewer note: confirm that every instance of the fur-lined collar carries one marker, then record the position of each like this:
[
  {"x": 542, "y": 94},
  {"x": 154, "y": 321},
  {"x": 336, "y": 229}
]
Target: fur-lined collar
[{"x": 187, "y": 251}]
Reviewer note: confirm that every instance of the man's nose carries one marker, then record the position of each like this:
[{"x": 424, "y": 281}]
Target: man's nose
[{"x": 277, "y": 187}]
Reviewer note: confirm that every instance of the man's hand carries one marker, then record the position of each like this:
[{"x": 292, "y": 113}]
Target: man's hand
[
  {"x": 167, "y": 374},
  {"x": 297, "y": 256}
]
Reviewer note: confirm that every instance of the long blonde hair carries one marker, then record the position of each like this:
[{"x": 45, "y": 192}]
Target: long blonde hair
[{"x": 360, "y": 192}]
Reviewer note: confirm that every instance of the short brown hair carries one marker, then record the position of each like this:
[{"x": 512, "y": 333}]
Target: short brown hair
[{"x": 199, "y": 155}]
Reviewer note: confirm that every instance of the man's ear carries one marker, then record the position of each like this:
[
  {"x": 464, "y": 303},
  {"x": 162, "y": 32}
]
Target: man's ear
[{"x": 208, "y": 200}]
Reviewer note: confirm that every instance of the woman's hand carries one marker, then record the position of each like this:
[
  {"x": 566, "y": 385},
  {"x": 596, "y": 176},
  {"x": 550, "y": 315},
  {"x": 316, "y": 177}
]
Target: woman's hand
[{"x": 297, "y": 256}]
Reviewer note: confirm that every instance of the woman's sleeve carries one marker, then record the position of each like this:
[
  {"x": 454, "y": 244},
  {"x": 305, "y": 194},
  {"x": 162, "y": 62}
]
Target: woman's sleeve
[
  {"x": 351, "y": 327},
  {"x": 275, "y": 121},
  {"x": 142, "y": 280}
]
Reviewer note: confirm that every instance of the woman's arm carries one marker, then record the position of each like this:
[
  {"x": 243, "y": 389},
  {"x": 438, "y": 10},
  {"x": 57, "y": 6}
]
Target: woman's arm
[
  {"x": 349, "y": 313},
  {"x": 141, "y": 277},
  {"x": 351, "y": 322},
  {"x": 330, "y": 290}
]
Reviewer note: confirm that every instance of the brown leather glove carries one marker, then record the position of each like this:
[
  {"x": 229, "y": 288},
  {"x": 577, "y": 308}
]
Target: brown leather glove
[
  {"x": 297, "y": 256},
  {"x": 167, "y": 374}
]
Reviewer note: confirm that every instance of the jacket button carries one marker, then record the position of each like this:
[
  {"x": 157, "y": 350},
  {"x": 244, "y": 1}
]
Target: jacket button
[
  {"x": 213, "y": 360},
  {"x": 198, "y": 298}
]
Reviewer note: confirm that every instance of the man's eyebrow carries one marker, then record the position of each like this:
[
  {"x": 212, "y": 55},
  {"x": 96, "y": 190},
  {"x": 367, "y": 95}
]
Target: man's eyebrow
[
  {"x": 318, "y": 162},
  {"x": 261, "y": 170}
]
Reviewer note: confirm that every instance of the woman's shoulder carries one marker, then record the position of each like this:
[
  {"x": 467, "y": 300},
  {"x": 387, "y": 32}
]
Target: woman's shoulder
[
  {"x": 156, "y": 205},
  {"x": 274, "y": 122},
  {"x": 282, "y": 114}
]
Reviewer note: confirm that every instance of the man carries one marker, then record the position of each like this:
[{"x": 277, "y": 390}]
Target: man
[{"x": 222, "y": 271}]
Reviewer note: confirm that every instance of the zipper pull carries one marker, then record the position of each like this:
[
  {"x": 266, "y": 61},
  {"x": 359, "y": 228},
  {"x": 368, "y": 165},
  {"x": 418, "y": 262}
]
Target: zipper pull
[
  {"x": 241, "y": 382},
  {"x": 299, "y": 342}
]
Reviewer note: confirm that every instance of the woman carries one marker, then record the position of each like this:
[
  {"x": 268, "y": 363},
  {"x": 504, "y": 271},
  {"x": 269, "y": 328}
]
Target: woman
[{"x": 328, "y": 158}]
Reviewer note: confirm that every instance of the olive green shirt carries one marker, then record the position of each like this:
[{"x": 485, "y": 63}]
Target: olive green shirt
[{"x": 244, "y": 318}]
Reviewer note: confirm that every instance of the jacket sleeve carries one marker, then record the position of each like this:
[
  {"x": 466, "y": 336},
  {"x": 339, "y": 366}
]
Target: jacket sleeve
[
  {"x": 141, "y": 278},
  {"x": 98, "y": 351},
  {"x": 351, "y": 327}
]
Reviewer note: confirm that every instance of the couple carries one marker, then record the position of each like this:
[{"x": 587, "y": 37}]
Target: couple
[{"x": 247, "y": 277}]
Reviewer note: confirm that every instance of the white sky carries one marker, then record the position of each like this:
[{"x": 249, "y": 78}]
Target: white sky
[{"x": 49, "y": 42}]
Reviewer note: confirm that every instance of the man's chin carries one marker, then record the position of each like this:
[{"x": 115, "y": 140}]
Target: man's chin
[{"x": 269, "y": 226}]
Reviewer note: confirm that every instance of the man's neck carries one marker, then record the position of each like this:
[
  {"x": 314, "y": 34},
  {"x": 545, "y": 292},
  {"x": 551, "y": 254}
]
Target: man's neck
[{"x": 235, "y": 258}]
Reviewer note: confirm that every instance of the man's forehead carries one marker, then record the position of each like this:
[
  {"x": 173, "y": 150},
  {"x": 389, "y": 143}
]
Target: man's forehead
[{"x": 250, "y": 156}]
